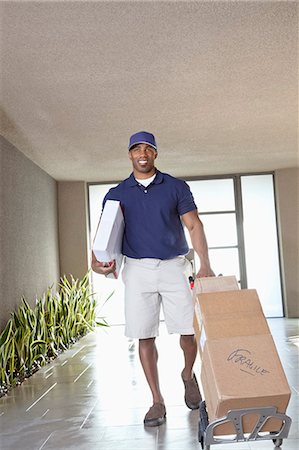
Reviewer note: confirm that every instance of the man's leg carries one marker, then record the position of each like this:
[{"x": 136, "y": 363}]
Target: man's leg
[
  {"x": 192, "y": 393},
  {"x": 189, "y": 348},
  {"x": 149, "y": 358}
]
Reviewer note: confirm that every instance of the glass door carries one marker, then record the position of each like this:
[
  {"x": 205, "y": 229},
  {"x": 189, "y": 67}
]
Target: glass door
[{"x": 239, "y": 218}]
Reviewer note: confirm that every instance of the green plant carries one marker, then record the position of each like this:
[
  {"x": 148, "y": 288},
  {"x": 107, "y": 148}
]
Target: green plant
[
  {"x": 34, "y": 336},
  {"x": 6, "y": 355}
]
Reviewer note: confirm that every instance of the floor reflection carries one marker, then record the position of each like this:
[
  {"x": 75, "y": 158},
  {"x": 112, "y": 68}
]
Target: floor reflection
[{"x": 95, "y": 396}]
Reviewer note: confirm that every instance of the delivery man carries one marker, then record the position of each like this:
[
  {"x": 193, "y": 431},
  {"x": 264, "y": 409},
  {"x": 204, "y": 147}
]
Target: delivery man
[{"x": 155, "y": 207}]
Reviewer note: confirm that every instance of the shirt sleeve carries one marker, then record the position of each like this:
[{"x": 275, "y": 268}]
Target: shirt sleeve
[
  {"x": 186, "y": 201},
  {"x": 111, "y": 195}
]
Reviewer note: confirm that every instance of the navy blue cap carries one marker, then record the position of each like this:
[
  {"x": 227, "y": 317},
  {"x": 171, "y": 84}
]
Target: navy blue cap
[{"x": 142, "y": 137}]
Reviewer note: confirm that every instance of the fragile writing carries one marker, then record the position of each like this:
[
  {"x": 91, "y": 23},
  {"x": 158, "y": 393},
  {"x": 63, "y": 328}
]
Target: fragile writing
[{"x": 243, "y": 358}]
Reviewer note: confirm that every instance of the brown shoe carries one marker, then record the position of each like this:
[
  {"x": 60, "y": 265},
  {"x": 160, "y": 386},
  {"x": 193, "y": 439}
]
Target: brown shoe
[
  {"x": 192, "y": 393},
  {"x": 155, "y": 416}
]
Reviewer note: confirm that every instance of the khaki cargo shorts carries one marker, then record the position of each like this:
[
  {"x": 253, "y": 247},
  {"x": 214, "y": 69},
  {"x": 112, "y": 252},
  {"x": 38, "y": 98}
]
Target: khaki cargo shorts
[{"x": 150, "y": 283}]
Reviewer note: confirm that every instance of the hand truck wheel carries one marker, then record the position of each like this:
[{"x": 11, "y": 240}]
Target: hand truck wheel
[
  {"x": 202, "y": 425},
  {"x": 277, "y": 442}
]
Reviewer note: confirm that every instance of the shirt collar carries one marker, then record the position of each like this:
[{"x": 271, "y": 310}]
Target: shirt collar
[{"x": 131, "y": 181}]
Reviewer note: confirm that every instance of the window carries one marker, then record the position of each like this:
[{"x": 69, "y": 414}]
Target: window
[
  {"x": 239, "y": 218},
  {"x": 215, "y": 200},
  {"x": 260, "y": 239}
]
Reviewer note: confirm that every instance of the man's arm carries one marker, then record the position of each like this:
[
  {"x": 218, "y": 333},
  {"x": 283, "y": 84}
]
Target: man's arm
[
  {"x": 199, "y": 242},
  {"x": 102, "y": 267}
]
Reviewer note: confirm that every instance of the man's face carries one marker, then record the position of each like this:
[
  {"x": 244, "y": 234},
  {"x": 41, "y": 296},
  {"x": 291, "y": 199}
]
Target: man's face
[{"x": 143, "y": 158}]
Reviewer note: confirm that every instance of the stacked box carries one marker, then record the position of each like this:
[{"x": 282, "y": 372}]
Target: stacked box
[
  {"x": 210, "y": 284},
  {"x": 228, "y": 314},
  {"x": 214, "y": 284},
  {"x": 240, "y": 365}
]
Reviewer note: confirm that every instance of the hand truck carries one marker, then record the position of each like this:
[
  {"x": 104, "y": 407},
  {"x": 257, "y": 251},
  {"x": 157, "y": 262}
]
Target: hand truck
[{"x": 206, "y": 430}]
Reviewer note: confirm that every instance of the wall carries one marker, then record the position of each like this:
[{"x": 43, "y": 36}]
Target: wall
[
  {"x": 28, "y": 230},
  {"x": 287, "y": 195},
  {"x": 73, "y": 228}
]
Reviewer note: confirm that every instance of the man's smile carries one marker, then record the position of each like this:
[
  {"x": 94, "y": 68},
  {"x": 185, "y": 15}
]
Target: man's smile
[{"x": 143, "y": 162}]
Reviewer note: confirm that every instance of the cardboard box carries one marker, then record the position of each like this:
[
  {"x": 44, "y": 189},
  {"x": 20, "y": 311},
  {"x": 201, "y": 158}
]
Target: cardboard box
[
  {"x": 213, "y": 284},
  {"x": 240, "y": 365},
  {"x": 243, "y": 372},
  {"x": 107, "y": 245},
  {"x": 228, "y": 314},
  {"x": 210, "y": 284}
]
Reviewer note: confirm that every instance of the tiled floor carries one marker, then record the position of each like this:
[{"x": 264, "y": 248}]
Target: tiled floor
[{"x": 94, "y": 396}]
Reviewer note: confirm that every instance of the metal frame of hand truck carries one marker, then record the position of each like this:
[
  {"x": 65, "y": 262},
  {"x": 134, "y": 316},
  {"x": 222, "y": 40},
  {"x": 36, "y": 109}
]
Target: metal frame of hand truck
[{"x": 206, "y": 430}]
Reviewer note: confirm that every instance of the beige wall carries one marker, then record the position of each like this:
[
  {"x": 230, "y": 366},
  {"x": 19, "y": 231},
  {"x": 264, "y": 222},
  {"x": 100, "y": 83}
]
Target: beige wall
[
  {"x": 287, "y": 195},
  {"x": 73, "y": 228},
  {"x": 28, "y": 230}
]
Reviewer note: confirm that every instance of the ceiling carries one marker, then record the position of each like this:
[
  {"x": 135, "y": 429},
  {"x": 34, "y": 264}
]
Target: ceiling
[{"x": 216, "y": 82}]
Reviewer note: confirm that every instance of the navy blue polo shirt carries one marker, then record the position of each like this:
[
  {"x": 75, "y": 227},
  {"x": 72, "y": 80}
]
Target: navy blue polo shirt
[{"x": 153, "y": 228}]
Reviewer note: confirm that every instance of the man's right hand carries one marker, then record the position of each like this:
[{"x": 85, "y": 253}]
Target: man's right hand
[{"x": 103, "y": 268}]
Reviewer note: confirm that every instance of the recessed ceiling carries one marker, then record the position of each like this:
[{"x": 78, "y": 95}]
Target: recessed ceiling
[{"x": 216, "y": 82}]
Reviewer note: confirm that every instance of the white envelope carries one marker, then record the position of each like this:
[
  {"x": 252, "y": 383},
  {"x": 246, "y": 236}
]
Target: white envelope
[{"x": 107, "y": 244}]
